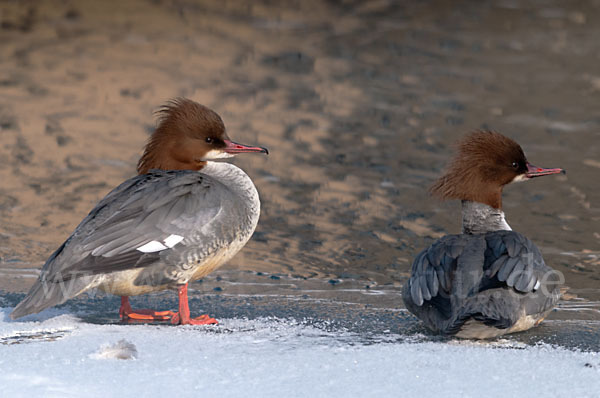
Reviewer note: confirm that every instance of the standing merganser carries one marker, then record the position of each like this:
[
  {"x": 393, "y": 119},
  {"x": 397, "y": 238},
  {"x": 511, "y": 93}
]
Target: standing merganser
[
  {"x": 489, "y": 280},
  {"x": 181, "y": 218}
]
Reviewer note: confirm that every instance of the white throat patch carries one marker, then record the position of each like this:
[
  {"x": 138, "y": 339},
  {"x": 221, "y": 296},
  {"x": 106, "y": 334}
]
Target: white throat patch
[
  {"x": 520, "y": 178},
  {"x": 216, "y": 154}
]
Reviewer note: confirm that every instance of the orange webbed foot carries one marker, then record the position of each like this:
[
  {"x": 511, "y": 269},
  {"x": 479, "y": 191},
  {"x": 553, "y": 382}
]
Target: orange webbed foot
[
  {"x": 182, "y": 317},
  {"x": 127, "y": 313},
  {"x": 201, "y": 320}
]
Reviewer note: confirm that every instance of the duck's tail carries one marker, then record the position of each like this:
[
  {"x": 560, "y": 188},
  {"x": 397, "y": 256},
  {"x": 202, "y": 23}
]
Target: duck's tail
[{"x": 44, "y": 294}]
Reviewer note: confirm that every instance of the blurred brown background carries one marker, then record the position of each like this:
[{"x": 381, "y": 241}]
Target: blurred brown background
[{"x": 359, "y": 103}]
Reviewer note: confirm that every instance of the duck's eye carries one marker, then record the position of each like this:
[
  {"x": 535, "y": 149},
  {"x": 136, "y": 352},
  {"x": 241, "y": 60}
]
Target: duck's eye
[
  {"x": 209, "y": 140},
  {"x": 515, "y": 165}
]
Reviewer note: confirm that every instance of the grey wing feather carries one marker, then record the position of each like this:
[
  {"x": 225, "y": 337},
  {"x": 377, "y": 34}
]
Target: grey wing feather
[
  {"x": 434, "y": 267},
  {"x": 456, "y": 249},
  {"x": 512, "y": 244},
  {"x": 436, "y": 254},
  {"x": 129, "y": 217},
  {"x": 474, "y": 271},
  {"x": 496, "y": 265},
  {"x": 448, "y": 265},
  {"x": 419, "y": 266},
  {"x": 432, "y": 281},
  {"x": 432, "y": 270},
  {"x": 516, "y": 273},
  {"x": 507, "y": 268},
  {"x": 496, "y": 244},
  {"x": 424, "y": 288},
  {"x": 93, "y": 265},
  {"x": 122, "y": 245},
  {"x": 435, "y": 285},
  {"x": 516, "y": 262},
  {"x": 448, "y": 262},
  {"x": 530, "y": 285},
  {"x": 415, "y": 292},
  {"x": 524, "y": 280},
  {"x": 441, "y": 276}
]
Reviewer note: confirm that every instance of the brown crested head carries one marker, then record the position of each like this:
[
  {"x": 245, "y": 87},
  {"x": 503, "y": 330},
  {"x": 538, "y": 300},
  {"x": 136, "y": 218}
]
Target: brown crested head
[
  {"x": 188, "y": 134},
  {"x": 485, "y": 161}
]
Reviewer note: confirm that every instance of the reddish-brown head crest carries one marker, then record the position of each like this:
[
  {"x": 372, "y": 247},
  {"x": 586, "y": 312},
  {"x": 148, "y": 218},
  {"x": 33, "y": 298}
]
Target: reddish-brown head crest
[
  {"x": 188, "y": 134},
  {"x": 485, "y": 161}
]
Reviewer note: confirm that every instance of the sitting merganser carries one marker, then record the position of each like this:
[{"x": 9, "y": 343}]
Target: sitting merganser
[
  {"x": 489, "y": 280},
  {"x": 181, "y": 218}
]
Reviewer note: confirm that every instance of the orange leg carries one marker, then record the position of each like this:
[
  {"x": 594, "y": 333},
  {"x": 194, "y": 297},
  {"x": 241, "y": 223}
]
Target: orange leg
[{"x": 183, "y": 316}]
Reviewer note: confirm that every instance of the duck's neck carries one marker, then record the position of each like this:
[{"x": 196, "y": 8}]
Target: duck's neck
[
  {"x": 236, "y": 181},
  {"x": 479, "y": 218}
]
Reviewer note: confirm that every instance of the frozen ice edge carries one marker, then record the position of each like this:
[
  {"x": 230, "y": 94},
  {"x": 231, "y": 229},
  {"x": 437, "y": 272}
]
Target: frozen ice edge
[{"x": 58, "y": 355}]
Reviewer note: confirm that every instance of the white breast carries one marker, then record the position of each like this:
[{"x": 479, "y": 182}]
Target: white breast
[{"x": 238, "y": 183}]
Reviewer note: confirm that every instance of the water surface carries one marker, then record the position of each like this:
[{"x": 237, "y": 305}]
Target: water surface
[{"x": 359, "y": 104}]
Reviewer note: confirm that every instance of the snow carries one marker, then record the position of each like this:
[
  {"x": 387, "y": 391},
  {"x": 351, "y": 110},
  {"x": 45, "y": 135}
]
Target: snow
[{"x": 55, "y": 354}]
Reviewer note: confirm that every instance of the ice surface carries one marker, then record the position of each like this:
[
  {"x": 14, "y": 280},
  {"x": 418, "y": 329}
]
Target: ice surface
[{"x": 55, "y": 355}]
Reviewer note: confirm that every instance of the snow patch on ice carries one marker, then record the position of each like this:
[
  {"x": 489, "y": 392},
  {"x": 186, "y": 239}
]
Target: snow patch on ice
[
  {"x": 272, "y": 357},
  {"x": 122, "y": 349}
]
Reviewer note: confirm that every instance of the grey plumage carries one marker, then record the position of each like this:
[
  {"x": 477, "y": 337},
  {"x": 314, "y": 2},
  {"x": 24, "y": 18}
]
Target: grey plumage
[
  {"x": 507, "y": 268},
  {"x": 486, "y": 278},
  {"x": 147, "y": 208},
  {"x": 491, "y": 280}
]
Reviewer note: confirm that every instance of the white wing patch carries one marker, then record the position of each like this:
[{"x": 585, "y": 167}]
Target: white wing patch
[
  {"x": 172, "y": 240},
  {"x": 156, "y": 246}
]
